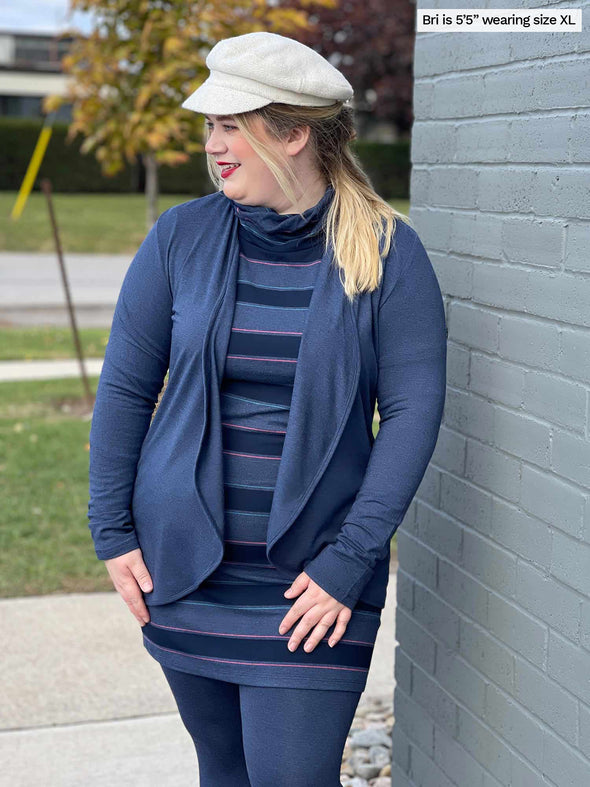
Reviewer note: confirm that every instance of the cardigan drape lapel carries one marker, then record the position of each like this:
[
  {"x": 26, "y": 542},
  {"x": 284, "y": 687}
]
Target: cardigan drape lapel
[
  {"x": 325, "y": 383},
  {"x": 209, "y": 458}
]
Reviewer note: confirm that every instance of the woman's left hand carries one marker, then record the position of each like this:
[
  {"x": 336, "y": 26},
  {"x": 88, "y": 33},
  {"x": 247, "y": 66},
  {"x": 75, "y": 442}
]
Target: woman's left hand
[{"x": 319, "y": 609}]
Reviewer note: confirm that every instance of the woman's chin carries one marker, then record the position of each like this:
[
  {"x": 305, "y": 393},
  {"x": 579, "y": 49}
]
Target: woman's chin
[{"x": 232, "y": 191}]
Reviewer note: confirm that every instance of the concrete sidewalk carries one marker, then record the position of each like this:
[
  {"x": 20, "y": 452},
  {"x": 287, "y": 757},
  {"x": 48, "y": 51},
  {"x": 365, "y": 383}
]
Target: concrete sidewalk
[
  {"x": 83, "y": 703},
  {"x": 31, "y": 289},
  {"x": 10, "y": 371}
]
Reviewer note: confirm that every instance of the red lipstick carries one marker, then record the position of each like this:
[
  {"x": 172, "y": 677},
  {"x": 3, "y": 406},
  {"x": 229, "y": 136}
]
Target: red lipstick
[{"x": 227, "y": 172}]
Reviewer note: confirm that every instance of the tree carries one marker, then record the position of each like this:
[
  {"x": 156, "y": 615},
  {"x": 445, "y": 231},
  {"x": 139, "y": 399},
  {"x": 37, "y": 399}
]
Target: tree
[
  {"x": 129, "y": 77},
  {"x": 372, "y": 43}
]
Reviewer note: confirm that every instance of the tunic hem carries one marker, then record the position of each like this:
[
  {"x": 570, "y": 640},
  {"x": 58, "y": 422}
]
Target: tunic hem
[{"x": 244, "y": 676}]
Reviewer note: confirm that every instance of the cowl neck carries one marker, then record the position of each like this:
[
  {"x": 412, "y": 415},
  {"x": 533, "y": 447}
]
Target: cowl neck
[{"x": 274, "y": 227}]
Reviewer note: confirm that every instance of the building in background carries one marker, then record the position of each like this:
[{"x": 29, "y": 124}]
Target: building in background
[{"x": 30, "y": 69}]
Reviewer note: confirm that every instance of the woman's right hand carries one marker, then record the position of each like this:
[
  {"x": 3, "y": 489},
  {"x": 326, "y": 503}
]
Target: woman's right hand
[{"x": 130, "y": 576}]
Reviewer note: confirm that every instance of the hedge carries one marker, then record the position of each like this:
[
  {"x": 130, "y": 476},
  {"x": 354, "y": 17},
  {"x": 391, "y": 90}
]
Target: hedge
[{"x": 386, "y": 164}]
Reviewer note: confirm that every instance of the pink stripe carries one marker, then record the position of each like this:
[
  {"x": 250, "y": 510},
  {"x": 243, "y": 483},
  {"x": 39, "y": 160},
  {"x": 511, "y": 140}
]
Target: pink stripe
[
  {"x": 256, "y": 358},
  {"x": 282, "y": 333},
  {"x": 251, "y": 636},
  {"x": 255, "y": 663},
  {"x": 252, "y": 456},
  {"x": 254, "y": 429},
  {"x": 288, "y": 264}
]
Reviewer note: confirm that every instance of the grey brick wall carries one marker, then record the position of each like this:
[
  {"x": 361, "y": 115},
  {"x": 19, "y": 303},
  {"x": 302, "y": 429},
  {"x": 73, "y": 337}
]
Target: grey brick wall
[{"x": 492, "y": 665}]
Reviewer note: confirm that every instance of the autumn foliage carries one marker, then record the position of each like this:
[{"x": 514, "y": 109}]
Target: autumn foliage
[{"x": 130, "y": 75}]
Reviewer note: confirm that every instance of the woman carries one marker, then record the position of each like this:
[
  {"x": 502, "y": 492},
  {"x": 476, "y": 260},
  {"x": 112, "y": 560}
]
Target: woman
[{"x": 248, "y": 525}]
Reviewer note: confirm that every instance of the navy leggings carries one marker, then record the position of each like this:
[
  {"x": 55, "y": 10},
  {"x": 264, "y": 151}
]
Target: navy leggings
[{"x": 260, "y": 736}]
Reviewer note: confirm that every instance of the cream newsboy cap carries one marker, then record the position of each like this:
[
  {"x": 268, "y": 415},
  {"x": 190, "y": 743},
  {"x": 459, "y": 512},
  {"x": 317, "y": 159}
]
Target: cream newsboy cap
[{"x": 256, "y": 69}]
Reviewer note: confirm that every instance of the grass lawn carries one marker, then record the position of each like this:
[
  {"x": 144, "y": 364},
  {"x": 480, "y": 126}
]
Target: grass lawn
[
  {"x": 100, "y": 223},
  {"x": 45, "y": 543},
  {"x": 50, "y": 342}
]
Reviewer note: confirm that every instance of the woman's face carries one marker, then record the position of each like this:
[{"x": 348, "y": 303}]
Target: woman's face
[{"x": 252, "y": 183}]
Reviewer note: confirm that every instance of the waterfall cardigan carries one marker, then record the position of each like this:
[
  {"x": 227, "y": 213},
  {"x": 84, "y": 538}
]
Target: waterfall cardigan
[{"x": 340, "y": 493}]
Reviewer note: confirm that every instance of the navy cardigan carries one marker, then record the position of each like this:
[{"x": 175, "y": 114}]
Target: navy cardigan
[{"x": 340, "y": 493}]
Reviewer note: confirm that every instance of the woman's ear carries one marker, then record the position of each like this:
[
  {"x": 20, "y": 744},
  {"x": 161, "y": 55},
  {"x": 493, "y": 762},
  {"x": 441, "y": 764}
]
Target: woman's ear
[{"x": 297, "y": 139}]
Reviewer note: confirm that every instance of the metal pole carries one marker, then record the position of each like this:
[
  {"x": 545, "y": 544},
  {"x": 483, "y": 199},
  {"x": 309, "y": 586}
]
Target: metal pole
[{"x": 46, "y": 187}]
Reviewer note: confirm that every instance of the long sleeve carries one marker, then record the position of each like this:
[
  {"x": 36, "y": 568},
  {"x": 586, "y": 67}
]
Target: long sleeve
[
  {"x": 410, "y": 399},
  {"x": 134, "y": 368}
]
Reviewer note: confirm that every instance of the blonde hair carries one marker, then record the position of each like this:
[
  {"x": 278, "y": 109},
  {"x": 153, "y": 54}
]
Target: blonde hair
[{"x": 359, "y": 224}]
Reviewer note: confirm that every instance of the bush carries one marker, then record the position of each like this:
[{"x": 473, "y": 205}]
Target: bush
[{"x": 387, "y": 165}]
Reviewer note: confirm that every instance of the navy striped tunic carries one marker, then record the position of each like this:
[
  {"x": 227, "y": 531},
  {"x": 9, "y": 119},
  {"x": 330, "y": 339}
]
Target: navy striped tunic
[{"x": 228, "y": 628}]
